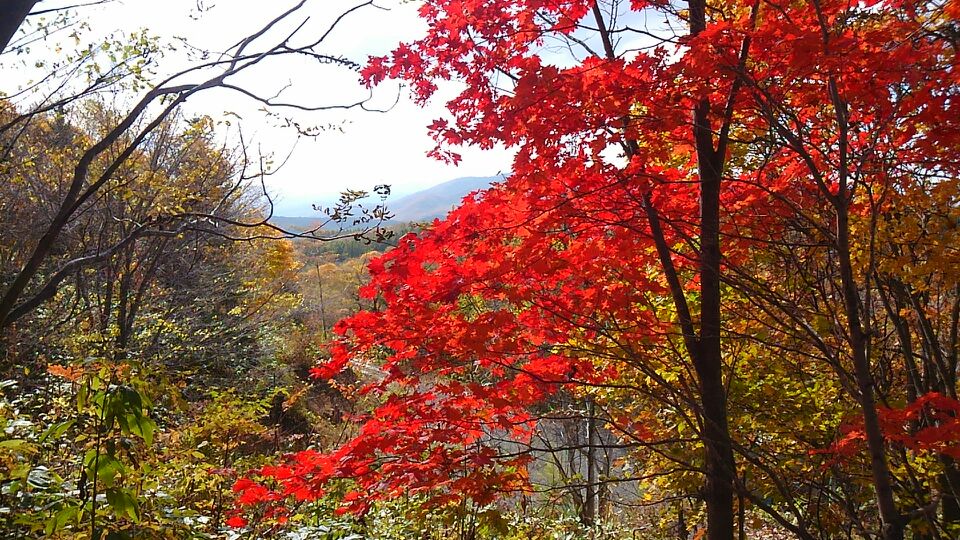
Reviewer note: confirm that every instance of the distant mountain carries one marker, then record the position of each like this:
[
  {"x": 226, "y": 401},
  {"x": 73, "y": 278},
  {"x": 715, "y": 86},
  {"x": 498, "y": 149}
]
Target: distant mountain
[
  {"x": 433, "y": 202},
  {"x": 436, "y": 201},
  {"x": 297, "y": 223}
]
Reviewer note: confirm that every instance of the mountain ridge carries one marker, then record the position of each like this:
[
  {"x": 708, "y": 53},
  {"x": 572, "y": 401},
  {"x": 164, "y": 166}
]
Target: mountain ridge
[{"x": 423, "y": 205}]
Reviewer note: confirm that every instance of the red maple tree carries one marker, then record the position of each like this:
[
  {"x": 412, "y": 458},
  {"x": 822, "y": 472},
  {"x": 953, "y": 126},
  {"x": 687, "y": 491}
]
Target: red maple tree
[{"x": 635, "y": 158}]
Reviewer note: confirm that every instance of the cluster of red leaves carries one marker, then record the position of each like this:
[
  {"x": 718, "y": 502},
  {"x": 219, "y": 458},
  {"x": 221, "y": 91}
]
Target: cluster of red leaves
[
  {"x": 929, "y": 424},
  {"x": 549, "y": 279}
]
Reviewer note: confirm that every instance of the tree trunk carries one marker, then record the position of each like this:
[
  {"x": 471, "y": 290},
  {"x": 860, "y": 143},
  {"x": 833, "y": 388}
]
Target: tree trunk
[
  {"x": 590, "y": 503},
  {"x": 708, "y": 360},
  {"x": 682, "y": 532},
  {"x": 950, "y": 489},
  {"x": 891, "y": 526},
  {"x": 12, "y": 16},
  {"x": 708, "y": 357}
]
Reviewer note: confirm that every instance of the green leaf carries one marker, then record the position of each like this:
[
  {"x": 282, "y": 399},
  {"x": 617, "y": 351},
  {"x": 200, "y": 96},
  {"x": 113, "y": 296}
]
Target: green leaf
[
  {"x": 123, "y": 503},
  {"x": 108, "y": 468},
  {"x": 59, "y": 520},
  {"x": 57, "y": 430},
  {"x": 130, "y": 398},
  {"x": 81, "y": 398},
  {"x": 142, "y": 426},
  {"x": 13, "y": 444}
]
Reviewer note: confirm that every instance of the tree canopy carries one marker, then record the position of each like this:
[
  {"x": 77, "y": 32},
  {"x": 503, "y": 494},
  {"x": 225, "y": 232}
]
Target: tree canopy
[
  {"x": 701, "y": 193},
  {"x": 717, "y": 296}
]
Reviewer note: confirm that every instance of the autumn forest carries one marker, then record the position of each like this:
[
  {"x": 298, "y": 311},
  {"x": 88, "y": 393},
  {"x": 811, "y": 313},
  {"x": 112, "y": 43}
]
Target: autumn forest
[{"x": 716, "y": 296}]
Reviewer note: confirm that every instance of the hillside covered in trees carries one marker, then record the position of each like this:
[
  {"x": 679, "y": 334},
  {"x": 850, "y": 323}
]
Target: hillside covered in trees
[{"x": 717, "y": 298}]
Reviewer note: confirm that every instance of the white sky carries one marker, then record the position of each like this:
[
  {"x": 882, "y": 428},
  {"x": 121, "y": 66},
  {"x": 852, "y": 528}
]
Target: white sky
[{"x": 373, "y": 148}]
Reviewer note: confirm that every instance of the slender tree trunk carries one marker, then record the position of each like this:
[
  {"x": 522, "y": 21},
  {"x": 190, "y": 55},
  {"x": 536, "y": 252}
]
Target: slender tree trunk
[
  {"x": 950, "y": 490},
  {"x": 704, "y": 348},
  {"x": 682, "y": 532},
  {"x": 891, "y": 527},
  {"x": 741, "y": 518},
  {"x": 708, "y": 358},
  {"x": 44, "y": 246},
  {"x": 891, "y": 523},
  {"x": 590, "y": 504},
  {"x": 718, "y": 492},
  {"x": 708, "y": 361}
]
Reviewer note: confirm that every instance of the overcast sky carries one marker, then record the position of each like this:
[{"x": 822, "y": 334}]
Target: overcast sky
[{"x": 373, "y": 148}]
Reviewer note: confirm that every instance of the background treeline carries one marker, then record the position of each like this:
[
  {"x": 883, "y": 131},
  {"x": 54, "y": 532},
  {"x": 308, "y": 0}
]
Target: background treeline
[
  {"x": 155, "y": 329},
  {"x": 163, "y": 342}
]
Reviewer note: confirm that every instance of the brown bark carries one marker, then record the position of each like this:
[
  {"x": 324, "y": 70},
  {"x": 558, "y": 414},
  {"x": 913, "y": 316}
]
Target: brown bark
[
  {"x": 708, "y": 360},
  {"x": 891, "y": 527}
]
